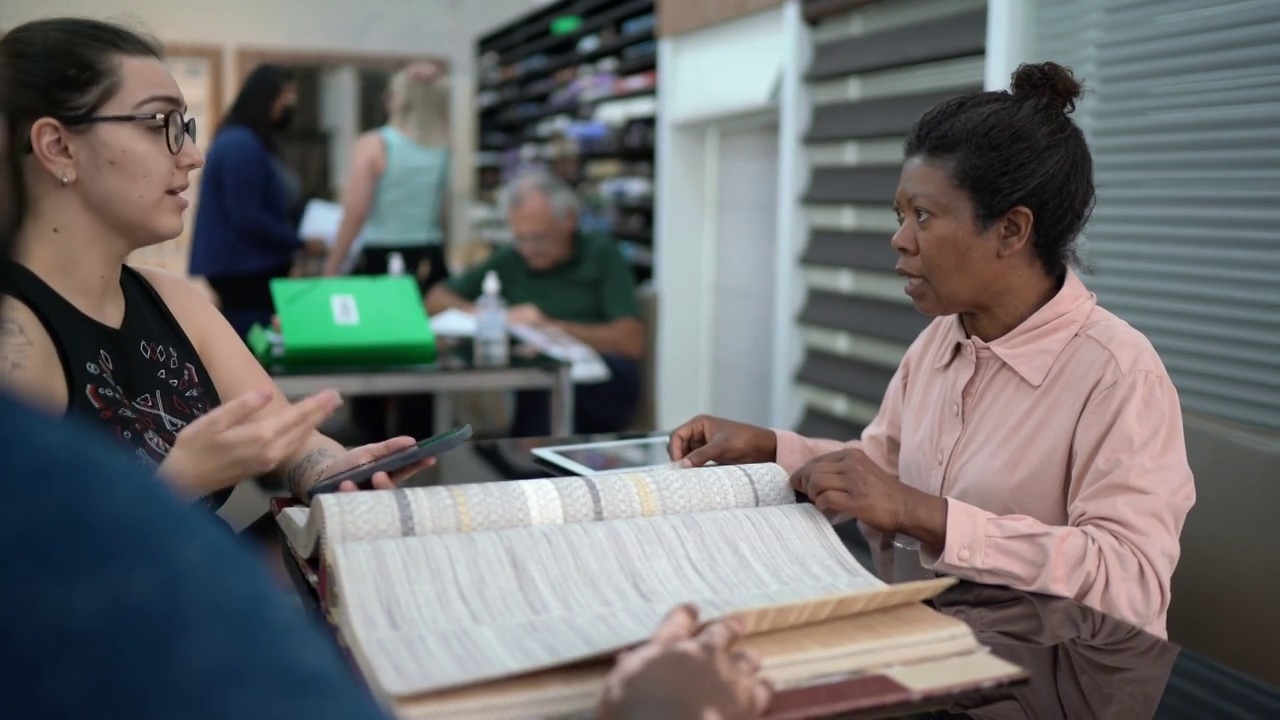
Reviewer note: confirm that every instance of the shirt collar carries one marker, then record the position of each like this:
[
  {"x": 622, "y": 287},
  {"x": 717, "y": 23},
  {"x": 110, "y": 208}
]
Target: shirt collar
[{"x": 1033, "y": 347}]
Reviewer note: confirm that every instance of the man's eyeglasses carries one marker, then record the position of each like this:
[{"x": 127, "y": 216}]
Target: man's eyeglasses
[
  {"x": 533, "y": 241},
  {"x": 176, "y": 127}
]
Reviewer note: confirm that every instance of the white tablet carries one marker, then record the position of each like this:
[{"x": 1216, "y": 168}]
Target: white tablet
[{"x": 609, "y": 456}]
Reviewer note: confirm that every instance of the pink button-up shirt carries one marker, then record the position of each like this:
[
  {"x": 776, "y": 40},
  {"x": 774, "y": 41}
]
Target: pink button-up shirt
[{"x": 1059, "y": 448}]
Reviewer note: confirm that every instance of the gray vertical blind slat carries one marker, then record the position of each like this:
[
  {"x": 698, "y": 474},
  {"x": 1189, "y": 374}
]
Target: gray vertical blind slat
[
  {"x": 817, "y": 424},
  {"x": 946, "y": 38},
  {"x": 853, "y": 378},
  {"x": 1181, "y": 113},
  {"x": 882, "y": 117},
  {"x": 868, "y": 251},
  {"x": 897, "y": 322},
  {"x": 927, "y": 40},
  {"x": 818, "y": 10},
  {"x": 872, "y": 184}
]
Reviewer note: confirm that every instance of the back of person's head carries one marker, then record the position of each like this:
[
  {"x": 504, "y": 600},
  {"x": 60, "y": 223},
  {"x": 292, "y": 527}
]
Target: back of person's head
[
  {"x": 89, "y": 107},
  {"x": 265, "y": 103},
  {"x": 417, "y": 99},
  {"x": 1014, "y": 148}
]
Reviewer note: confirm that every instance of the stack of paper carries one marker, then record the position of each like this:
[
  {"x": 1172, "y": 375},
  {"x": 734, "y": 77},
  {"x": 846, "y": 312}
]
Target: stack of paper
[
  {"x": 587, "y": 365},
  {"x": 321, "y": 220}
]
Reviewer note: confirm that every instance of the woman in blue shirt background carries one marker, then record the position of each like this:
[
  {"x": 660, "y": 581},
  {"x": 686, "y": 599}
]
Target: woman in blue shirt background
[{"x": 244, "y": 232}]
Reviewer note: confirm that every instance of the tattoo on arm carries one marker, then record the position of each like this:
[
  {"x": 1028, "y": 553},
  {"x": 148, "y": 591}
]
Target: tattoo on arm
[
  {"x": 15, "y": 349},
  {"x": 300, "y": 475}
]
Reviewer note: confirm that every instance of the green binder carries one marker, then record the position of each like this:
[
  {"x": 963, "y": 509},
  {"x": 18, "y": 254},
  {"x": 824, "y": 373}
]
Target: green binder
[{"x": 352, "y": 321}]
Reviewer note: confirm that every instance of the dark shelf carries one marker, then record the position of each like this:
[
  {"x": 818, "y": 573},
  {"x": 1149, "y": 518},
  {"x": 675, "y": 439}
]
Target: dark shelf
[
  {"x": 539, "y": 66},
  {"x": 529, "y": 47},
  {"x": 612, "y": 47},
  {"x": 571, "y": 108},
  {"x": 626, "y": 67},
  {"x": 643, "y": 153},
  {"x": 640, "y": 237},
  {"x": 637, "y": 7},
  {"x": 635, "y": 205},
  {"x": 638, "y": 64}
]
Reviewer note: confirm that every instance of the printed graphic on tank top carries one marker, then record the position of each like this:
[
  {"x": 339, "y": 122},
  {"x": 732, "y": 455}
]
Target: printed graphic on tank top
[
  {"x": 150, "y": 420},
  {"x": 142, "y": 381}
]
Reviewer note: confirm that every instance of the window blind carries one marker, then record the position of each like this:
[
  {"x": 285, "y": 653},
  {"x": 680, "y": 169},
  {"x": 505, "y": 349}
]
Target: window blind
[
  {"x": 1182, "y": 112},
  {"x": 877, "y": 66}
]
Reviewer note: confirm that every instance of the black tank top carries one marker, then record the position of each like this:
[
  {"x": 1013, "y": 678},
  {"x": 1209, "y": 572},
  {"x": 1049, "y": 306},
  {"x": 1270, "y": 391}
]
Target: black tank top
[{"x": 143, "y": 381}]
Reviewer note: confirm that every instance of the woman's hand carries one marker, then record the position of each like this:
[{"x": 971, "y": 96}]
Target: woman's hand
[
  {"x": 848, "y": 482},
  {"x": 707, "y": 439},
  {"x": 527, "y": 315},
  {"x": 367, "y": 454},
  {"x": 315, "y": 247},
  {"x": 243, "y": 438},
  {"x": 332, "y": 265},
  {"x": 681, "y": 673}
]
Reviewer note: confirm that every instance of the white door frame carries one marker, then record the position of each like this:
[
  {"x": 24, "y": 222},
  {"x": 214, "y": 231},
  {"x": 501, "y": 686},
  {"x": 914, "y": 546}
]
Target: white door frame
[{"x": 686, "y": 227}]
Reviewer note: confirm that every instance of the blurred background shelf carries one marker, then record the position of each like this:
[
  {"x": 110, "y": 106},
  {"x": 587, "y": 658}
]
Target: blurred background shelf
[{"x": 572, "y": 88}]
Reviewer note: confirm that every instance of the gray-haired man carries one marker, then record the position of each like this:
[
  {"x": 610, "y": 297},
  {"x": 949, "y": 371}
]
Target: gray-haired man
[{"x": 554, "y": 275}]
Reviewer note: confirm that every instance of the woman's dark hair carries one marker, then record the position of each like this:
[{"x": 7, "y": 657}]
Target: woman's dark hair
[
  {"x": 257, "y": 97},
  {"x": 1007, "y": 149},
  {"x": 64, "y": 68}
]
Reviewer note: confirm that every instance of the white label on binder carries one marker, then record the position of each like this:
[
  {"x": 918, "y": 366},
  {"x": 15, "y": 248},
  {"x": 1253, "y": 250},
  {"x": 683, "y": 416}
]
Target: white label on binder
[{"x": 344, "y": 309}]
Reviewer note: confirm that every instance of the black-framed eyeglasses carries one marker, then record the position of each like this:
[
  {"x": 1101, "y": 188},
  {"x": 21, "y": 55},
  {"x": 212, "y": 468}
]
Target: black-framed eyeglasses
[{"x": 177, "y": 128}]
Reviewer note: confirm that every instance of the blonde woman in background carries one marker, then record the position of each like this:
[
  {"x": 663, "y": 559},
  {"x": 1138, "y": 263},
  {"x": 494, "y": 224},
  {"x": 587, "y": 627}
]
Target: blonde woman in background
[
  {"x": 396, "y": 190},
  {"x": 394, "y": 199}
]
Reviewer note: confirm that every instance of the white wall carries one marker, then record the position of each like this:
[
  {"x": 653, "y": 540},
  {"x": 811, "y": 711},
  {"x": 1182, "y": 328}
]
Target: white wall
[
  {"x": 1010, "y": 28},
  {"x": 743, "y": 300},
  {"x": 794, "y": 113},
  {"x": 446, "y": 28},
  {"x": 340, "y": 114},
  {"x": 713, "y": 79}
]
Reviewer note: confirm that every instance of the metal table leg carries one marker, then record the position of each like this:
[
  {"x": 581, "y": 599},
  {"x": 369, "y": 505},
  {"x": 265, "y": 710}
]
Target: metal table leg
[
  {"x": 442, "y": 412},
  {"x": 391, "y": 411},
  {"x": 562, "y": 402}
]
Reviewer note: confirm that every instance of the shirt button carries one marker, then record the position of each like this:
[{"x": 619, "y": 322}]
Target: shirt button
[
  {"x": 955, "y": 409},
  {"x": 939, "y": 457},
  {"x": 963, "y": 554}
]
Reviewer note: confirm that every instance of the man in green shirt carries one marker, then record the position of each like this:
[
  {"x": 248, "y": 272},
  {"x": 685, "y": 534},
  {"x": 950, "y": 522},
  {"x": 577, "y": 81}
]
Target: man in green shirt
[{"x": 553, "y": 275}]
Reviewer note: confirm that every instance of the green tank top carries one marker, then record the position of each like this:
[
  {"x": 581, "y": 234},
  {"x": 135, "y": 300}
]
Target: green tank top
[{"x": 407, "y": 203}]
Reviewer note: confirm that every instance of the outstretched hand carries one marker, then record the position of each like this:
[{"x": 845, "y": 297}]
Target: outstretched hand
[{"x": 243, "y": 438}]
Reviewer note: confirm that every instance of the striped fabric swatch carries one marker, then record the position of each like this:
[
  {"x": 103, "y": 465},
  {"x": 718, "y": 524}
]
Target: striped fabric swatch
[{"x": 555, "y": 501}]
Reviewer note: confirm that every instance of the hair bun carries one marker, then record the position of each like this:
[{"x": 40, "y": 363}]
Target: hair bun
[{"x": 1048, "y": 81}]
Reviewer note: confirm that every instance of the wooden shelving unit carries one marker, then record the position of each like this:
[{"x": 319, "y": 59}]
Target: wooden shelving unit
[{"x": 572, "y": 87}]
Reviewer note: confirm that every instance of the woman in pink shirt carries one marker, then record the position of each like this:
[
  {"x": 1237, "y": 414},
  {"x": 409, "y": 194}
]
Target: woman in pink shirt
[{"x": 1029, "y": 438}]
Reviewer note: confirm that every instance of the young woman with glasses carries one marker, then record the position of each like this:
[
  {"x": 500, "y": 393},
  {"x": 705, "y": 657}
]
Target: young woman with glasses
[{"x": 105, "y": 153}]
